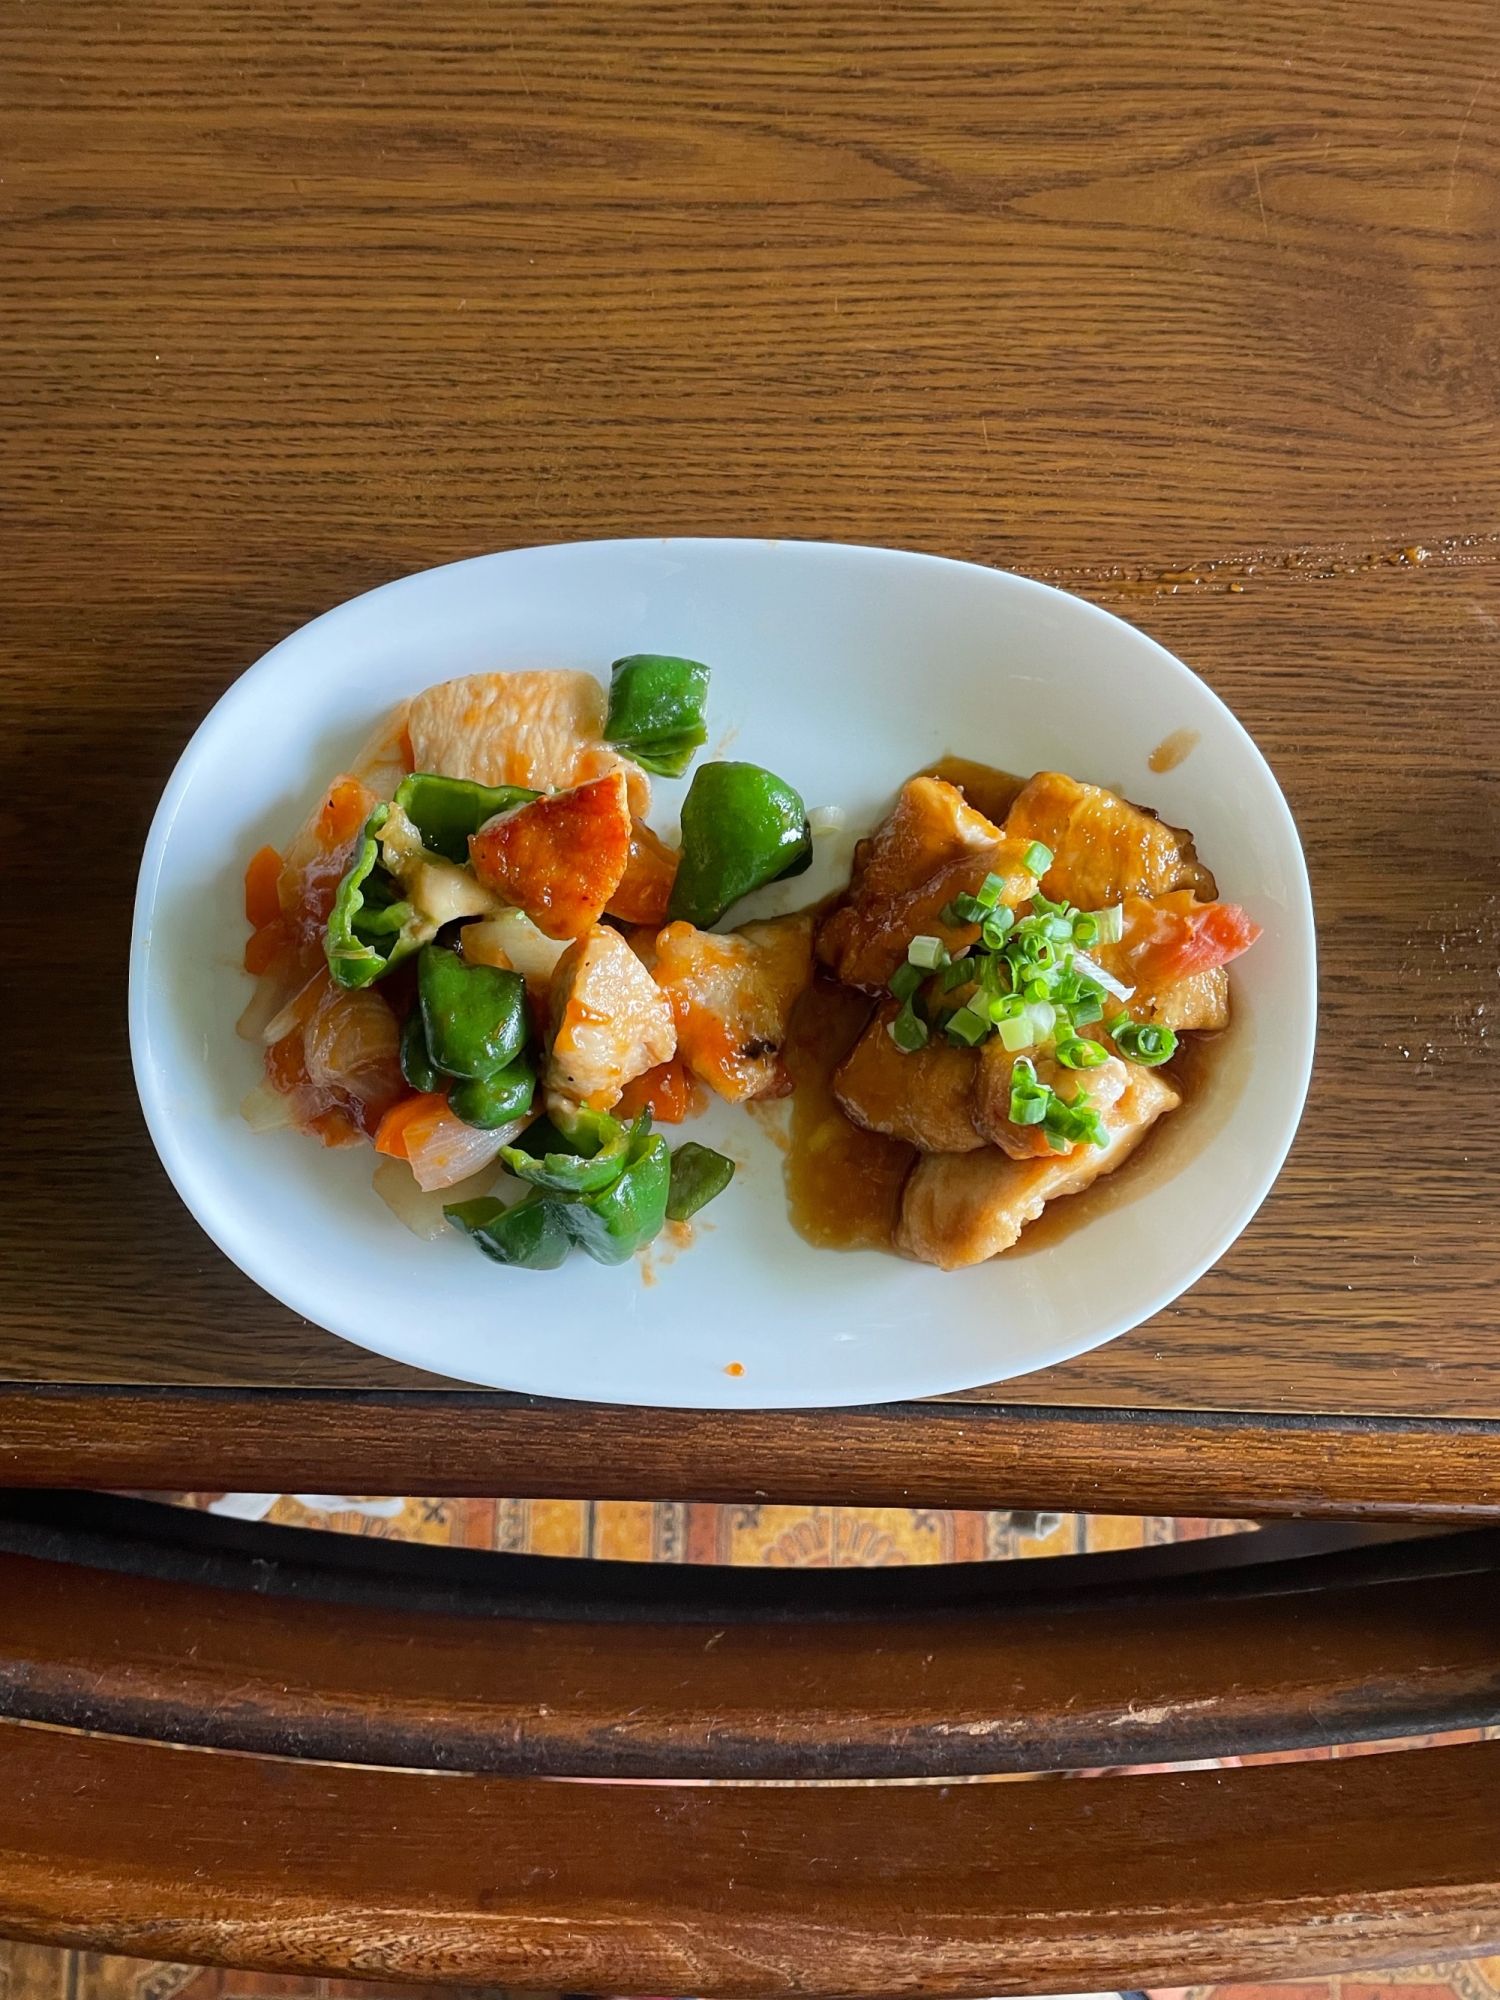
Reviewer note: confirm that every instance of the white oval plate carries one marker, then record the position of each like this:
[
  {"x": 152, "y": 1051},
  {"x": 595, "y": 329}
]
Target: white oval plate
[{"x": 845, "y": 669}]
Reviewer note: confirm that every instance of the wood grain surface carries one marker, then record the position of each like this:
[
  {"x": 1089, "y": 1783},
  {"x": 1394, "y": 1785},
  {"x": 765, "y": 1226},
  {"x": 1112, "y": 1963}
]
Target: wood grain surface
[
  {"x": 1192, "y": 312},
  {"x": 284, "y": 1652},
  {"x": 939, "y": 1454},
  {"x": 748, "y": 1890}
]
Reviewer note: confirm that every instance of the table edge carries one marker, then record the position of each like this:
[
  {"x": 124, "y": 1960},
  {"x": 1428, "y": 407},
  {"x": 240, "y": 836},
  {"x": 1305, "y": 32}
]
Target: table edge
[{"x": 1233, "y": 1464}]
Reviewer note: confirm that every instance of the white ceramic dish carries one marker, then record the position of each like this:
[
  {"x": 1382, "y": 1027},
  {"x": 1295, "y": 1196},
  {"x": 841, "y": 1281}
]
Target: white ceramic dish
[{"x": 845, "y": 669}]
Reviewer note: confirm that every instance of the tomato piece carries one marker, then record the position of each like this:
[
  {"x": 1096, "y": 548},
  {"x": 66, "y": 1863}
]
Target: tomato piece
[
  {"x": 560, "y": 859},
  {"x": 262, "y": 904}
]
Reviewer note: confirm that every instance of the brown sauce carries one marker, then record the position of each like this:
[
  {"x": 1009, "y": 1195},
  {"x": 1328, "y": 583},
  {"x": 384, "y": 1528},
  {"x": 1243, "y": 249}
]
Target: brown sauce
[
  {"x": 987, "y": 790},
  {"x": 1172, "y": 749},
  {"x": 844, "y": 1184}
]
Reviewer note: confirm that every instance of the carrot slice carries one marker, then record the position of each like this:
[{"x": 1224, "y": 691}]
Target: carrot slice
[
  {"x": 262, "y": 904},
  {"x": 391, "y": 1133},
  {"x": 263, "y": 945},
  {"x": 1186, "y": 938},
  {"x": 667, "y": 1092},
  {"x": 646, "y": 886}
]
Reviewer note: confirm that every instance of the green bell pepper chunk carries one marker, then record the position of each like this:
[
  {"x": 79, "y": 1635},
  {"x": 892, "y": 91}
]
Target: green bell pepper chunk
[
  {"x": 698, "y": 1175},
  {"x": 474, "y": 1016},
  {"x": 620, "y": 1219},
  {"x": 566, "y": 1169},
  {"x": 445, "y": 811},
  {"x": 497, "y": 1100},
  {"x": 530, "y": 1233},
  {"x": 416, "y": 1064},
  {"x": 370, "y": 930},
  {"x": 656, "y": 705},
  {"x": 741, "y": 827}
]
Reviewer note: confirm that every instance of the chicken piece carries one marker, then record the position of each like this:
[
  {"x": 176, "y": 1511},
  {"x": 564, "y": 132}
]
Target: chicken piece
[
  {"x": 646, "y": 886},
  {"x": 543, "y": 730},
  {"x": 384, "y": 758},
  {"x": 960, "y": 1208},
  {"x": 732, "y": 995},
  {"x": 1174, "y": 951},
  {"x": 560, "y": 859},
  {"x": 931, "y": 848},
  {"x": 1102, "y": 847},
  {"x": 1103, "y": 1087},
  {"x": 610, "y": 1022},
  {"x": 926, "y": 1097}
]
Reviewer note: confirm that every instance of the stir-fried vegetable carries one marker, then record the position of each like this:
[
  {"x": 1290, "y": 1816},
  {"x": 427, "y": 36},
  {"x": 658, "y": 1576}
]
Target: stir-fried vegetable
[
  {"x": 656, "y": 705},
  {"x": 741, "y": 828},
  {"x": 371, "y": 927},
  {"x": 492, "y": 1101},
  {"x": 698, "y": 1175},
  {"x": 446, "y": 811},
  {"x": 595, "y": 1183},
  {"x": 474, "y": 1017}
]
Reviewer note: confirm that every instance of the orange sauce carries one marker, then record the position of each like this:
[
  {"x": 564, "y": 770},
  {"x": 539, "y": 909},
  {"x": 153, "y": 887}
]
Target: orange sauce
[
  {"x": 1171, "y": 750},
  {"x": 843, "y": 1184}
]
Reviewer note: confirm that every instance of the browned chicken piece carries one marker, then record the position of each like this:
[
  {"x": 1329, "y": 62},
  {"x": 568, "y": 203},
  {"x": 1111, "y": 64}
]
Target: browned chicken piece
[
  {"x": 1103, "y": 848},
  {"x": 731, "y": 995},
  {"x": 931, "y": 848},
  {"x": 925, "y": 1098},
  {"x": 960, "y": 1208},
  {"x": 543, "y": 730},
  {"x": 610, "y": 1022},
  {"x": 1104, "y": 1087},
  {"x": 1201, "y": 1001}
]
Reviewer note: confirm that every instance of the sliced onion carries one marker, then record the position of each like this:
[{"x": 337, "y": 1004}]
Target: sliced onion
[
  {"x": 267, "y": 1109},
  {"x": 510, "y": 939},
  {"x": 445, "y": 1151},
  {"x": 421, "y": 1210},
  {"x": 273, "y": 989},
  {"x": 297, "y": 1011},
  {"x": 826, "y": 819},
  {"x": 1084, "y": 964}
]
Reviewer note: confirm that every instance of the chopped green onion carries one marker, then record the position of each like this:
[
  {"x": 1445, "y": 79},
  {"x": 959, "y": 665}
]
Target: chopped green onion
[
  {"x": 928, "y": 952},
  {"x": 908, "y": 1031},
  {"x": 1029, "y": 1099},
  {"x": 965, "y": 910},
  {"x": 1037, "y": 859},
  {"x": 1016, "y": 1033},
  {"x": 1143, "y": 1042},
  {"x": 1089, "y": 1006},
  {"x": 967, "y": 1027},
  {"x": 1078, "y": 1053},
  {"x": 996, "y": 927},
  {"x": 1085, "y": 928},
  {"x": 1111, "y": 924},
  {"x": 990, "y": 891},
  {"x": 1074, "y": 1123},
  {"x": 906, "y": 979},
  {"x": 959, "y": 973}
]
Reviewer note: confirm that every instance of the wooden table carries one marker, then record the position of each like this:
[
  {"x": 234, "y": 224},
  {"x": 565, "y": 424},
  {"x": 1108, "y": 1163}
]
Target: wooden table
[{"x": 1191, "y": 311}]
